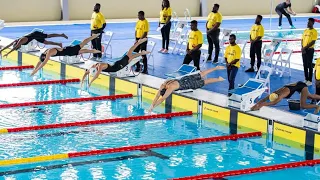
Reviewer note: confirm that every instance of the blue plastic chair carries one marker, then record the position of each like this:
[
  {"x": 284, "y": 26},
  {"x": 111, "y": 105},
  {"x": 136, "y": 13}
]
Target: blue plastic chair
[{"x": 182, "y": 71}]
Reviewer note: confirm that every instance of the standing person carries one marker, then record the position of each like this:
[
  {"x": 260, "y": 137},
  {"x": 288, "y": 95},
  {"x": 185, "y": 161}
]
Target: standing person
[
  {"x": 194, "y": 44},
  {"x": 309, "y": 37},
  {"x": 282, "y": 9},
  {"x": 317, "y": 76},
  {"x": 213, "y": 32},
  {"x": 232, "y": 57},
  {"x": 256, "y": 34},
  {"x": 142, "y": 29},
  {"x": 165, "y": 17},
  {"x": 98, "y": 23}
]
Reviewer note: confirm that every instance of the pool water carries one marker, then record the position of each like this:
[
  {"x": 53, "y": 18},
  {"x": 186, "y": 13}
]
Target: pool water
[{"x": 161, "y": 163}]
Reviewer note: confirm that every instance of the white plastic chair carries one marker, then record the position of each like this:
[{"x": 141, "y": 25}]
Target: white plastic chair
[
  {"x": 284, "y": 60},
  {"x": 223, "y": 38},
  {"x": 264, "y": 78},
  {"x": 107, "y": 38},
  {"x": 204, "y": 56},
  {"x": 183, "y": 41},
  {"x": 150, "y": 47},
  {"x": 176, "y": 36},
  {"x": 243, "y": 44}
]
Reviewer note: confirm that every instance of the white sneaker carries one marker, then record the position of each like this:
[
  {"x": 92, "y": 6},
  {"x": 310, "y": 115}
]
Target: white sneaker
[{"x": 309, "y": 83}]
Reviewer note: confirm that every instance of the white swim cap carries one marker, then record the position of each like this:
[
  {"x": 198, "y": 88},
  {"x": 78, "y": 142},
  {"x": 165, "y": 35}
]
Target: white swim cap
[{"x": 93, "y": 71}]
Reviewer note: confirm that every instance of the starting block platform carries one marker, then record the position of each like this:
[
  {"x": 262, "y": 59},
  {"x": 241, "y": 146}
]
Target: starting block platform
[
  {"x": 184, "y": 70},
  {"x": 74, "y": 59},
  {"x": 243, "y": 98},
  {"x": 312, "y": 121}
]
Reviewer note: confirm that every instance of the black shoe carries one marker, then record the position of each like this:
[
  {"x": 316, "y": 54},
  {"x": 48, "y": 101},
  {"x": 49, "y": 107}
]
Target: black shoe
[
  {"x": 215, "y": 61},
  {"x": 145, "y": 71},
  {"x": 250, "y": 70}
]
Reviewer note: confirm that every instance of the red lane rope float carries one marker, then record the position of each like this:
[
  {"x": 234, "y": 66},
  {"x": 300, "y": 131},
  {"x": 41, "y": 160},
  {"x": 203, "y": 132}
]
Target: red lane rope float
[
  {"x": 71, "y": 100},
  {"x": 251, "y": 170},
  {"x": 65, "y": 81},
  {"x": 16, "y": 67},
  {"x": 125, "y": 149},
  {"x": 94, "y": 122}
]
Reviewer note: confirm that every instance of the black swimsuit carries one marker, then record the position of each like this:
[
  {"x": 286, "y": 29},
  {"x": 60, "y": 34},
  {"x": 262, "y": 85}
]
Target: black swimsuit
[
  {"x": 69, "y": 51},
  {"x": 118, "y": 65},
  {"x": 39, "y": 36},
  {"x": 298, "y": 87}
]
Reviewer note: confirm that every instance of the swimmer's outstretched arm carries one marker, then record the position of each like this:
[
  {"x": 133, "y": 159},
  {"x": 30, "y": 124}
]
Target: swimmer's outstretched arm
[
  {"x": 158, "y": 100},
  {"x": 6, "y": 47},
  {"x": 97, "y": 74},
  {"x": 129, "y": 53},
  {"x": 40, "y": 65},
  {"x": 86, "y": 73},
  {"x": 263, "y": 102}
]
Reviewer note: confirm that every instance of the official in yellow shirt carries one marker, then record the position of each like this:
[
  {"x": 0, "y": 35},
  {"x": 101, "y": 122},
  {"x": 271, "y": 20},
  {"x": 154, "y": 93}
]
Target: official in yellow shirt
[
  {"x": 213, "y": 31},
  {"x": 232, "y": 57},
  {"x": 141, "y": 31},
  {"x": 165, "y": 17},
  {"x": 256, "y": 35},
  {"x": 98, "y": 23},
  {"x": 194, "y": 44},
  {"x": 309, "y": 38}
]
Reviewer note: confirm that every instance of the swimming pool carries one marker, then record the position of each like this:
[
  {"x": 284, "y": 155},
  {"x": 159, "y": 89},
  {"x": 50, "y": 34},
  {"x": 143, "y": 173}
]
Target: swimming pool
[{"x": 159, "y": 163}]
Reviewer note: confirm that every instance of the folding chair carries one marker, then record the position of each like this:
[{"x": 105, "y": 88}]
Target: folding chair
[
  {"x": 204, "y": 56},
  {"x": 183, "y": 41},
  {"x": 182, "y": 71},
  {"x": 269, "y": 50},
  {"x": 223, "y": 38},
  {"x": 284, "y": 60},
  {"x": 107, "y": 43},
  {"x": 243, "y": 44},
  {"x": 176, "y": 36},
  {"x": 150, "y": 47},
  {"x": 263, "y": 75}
]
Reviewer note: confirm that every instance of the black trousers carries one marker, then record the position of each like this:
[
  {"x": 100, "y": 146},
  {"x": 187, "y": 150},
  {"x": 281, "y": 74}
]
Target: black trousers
[
  {"x": 280, "y": 12},
  {"x": 255, "y": 49},
  {"x": 96, "y": 43},
  {"x": 318, "y": 86},
  {"x": 165, "y": 32},
  {"x": 142, "y": 47},
  {"x": 307, "y": 64},
  {"x": 195, "y": 56},
  {"x": 213, "y": 39}
]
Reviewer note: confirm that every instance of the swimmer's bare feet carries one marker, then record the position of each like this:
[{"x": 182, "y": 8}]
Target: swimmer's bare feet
[
  {"x": 96, "y": 51},
  {"x": 317, "y": 110},
  {"x": 64, "y": 35}
]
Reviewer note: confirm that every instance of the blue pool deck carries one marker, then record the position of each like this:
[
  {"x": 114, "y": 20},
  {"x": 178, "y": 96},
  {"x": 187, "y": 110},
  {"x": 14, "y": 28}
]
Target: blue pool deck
[{"x": 167, "y": 63}]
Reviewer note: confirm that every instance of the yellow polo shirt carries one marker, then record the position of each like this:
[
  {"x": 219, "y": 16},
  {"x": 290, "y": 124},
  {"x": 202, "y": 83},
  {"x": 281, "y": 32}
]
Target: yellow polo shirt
[
  {"x": 308, "y": 36},
  {"x": 213, "y": 18},
  {"x": 317, "y": 68},
  {"x": 232, "y": 53},
  {"x": 141, "y": 28},
  {"x": 164, "y": 14},
  {"x": 97, "y": 20},
  {"x": 195, "y": 38},
  {"x": 256, "y": 31}
]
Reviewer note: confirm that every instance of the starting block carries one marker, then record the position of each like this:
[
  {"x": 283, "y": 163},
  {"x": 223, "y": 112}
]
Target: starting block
[
  {"x": 74, "y": 59},
  {"x": 243, "y": 97},
  {"x": 184, "y": 70},
  {"x": 31, "y": 46},
  {"x": 127, "y": 70},
  {"x": 312, "y": 121}
]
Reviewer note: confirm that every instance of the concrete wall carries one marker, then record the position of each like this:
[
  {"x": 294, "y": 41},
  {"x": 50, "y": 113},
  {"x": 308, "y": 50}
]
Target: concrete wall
[
  {"x": 253, "y": 7},
  {"x": 82, "y": 9},
  {"x": 30, "y": 10}
]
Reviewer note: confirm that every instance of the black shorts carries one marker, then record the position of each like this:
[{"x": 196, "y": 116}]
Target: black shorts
[
  {"x": 38, "y": 36},
  {"x": 191, "y": 82}
]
